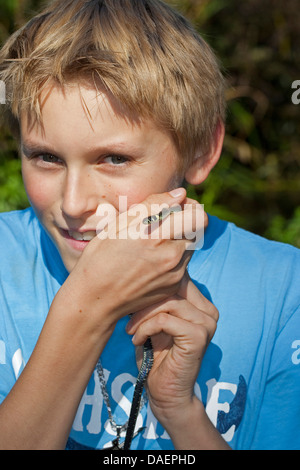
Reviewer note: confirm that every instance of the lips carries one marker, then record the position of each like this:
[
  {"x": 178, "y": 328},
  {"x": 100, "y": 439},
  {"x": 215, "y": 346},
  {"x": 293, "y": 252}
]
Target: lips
[{"x": 77, "y": 240}]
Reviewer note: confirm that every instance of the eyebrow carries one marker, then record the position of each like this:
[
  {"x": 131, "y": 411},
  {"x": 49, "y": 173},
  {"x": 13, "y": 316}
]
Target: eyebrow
[{"x": 124, "y": 148}]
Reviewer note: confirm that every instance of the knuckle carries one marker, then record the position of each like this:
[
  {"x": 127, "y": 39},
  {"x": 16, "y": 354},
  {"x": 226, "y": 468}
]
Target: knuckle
[
  {"x": 205, "y": 331},
  {"x": 215, "y": 313},
  {"x": 176, "y": 276},
  {"x": 211, "y": 327},
  {"x": 172, "y": 303},
  {"x": 161, "y": 319},
  {"x": 152, "y": 198},
  {"x": 211, "y": 310},
  {"x": 172, "y": 256},
  {"x": 173, "y": 280},
  {"x": 202, "y": 333},
  {"x": 155, "y": 203}
]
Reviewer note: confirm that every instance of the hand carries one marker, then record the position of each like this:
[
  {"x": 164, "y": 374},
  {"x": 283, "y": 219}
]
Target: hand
[
  {"x": 120, "y": 275},
  {"x": 181, "y": 328}
]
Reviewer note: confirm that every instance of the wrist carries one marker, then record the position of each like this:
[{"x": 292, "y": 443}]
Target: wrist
[
  {"x": 89, "y": 312},
  {"x": 190, "y": 428},
  {"x": 78, "y": 330}
]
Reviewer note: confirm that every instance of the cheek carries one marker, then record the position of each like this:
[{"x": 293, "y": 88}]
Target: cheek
[
  {"x": 137, "y": 196},
  {"x": 125, "y": 199},
  {"x": 136, "y": 192},
  {"x": 39, "y": 191},
  {"x": 150, "y": 185}
]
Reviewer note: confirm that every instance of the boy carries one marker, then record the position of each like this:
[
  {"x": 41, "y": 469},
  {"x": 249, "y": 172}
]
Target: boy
[{"x": 115, "y": 100}]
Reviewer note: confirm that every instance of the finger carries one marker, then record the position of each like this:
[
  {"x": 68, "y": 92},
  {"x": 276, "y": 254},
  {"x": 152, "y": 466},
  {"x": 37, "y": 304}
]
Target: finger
[
  {"x": 193, "y": 201},
  {"x": 176, "y": 307},
  {"x": 115, "y": 225},
  {"x": 189, "y": 291},
  {"x": 152, "y": 205},
  {"x": 158, "y": 217},
  {"x": 190, "y": 338},
  {"x": 186, "y": 224},
  {"x": 163, "y": 220}
]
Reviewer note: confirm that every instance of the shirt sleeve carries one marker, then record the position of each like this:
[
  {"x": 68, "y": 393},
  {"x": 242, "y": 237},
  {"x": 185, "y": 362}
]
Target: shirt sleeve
[
  {"x": 7, "y": 376},
  {"x": 278, "y": 424},
  {"x": 9, "y": 361}
]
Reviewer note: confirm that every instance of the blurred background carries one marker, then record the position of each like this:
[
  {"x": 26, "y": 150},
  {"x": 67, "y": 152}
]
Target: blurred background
[{"x": 256, "y": 183}]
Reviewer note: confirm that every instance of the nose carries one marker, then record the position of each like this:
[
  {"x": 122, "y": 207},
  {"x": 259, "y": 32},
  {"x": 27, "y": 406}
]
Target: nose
[{"x": 79, "y": 197}]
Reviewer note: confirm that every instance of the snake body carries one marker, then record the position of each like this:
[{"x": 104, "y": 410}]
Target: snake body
[{"x": 151, "y": 219}]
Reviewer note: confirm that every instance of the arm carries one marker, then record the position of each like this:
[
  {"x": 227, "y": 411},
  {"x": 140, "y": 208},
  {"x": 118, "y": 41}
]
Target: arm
[
  {"x": 191, "y": 429},
  {"x": 39, "y": 411},
  {"x": 181, "y": 328}
]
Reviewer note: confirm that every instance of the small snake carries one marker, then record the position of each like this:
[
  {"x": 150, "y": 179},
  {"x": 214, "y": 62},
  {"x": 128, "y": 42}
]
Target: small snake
[
  {"x": 151, "y": 219},
  {"x": 147, "y": 361}
]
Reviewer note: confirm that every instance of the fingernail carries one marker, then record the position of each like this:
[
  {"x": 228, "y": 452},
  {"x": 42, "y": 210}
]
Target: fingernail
[{"x": 177, "y": 192}]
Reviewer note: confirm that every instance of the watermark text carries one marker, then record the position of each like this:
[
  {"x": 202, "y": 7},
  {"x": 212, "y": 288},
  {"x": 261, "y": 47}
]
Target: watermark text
[
  {"x": 2, "y": 92},
  {"x": 296, "y": 93},
  {"x": 159, "y": 221}
]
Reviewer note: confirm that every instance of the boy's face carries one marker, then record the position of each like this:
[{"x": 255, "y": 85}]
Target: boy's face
[{"x": 88, "y": 154}]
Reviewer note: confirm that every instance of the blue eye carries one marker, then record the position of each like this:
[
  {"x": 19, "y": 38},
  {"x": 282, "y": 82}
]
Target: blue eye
[
  {"x": 116, "y": 159},
  {"x": 47, "y": 158}
]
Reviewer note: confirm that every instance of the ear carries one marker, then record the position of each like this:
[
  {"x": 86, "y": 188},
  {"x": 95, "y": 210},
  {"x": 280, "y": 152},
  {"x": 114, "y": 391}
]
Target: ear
[{"x": 202, "y": 165}]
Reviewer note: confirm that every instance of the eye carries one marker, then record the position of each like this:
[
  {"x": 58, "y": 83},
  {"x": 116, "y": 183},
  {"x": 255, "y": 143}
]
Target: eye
[
  {"x": 116, "y": 160},
  {"x": 46, "y": 161},
  {"x": 47, "y": 158}
]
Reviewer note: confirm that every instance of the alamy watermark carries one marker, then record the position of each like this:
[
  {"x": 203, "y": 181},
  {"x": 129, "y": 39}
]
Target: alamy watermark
[
  {"x": 296, "y": 93},
  {"x": 160, "y": 221},
  {"x": 2, "y": 92}
]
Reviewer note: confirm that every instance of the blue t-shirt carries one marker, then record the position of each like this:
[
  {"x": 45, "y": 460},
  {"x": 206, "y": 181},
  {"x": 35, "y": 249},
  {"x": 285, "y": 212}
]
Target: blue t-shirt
[{"x": 250, "y": 377}]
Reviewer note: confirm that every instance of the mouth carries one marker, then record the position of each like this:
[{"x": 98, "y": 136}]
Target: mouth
[
  {"x": 78, "y": 240},
  {"x": 82, "y": 236}
]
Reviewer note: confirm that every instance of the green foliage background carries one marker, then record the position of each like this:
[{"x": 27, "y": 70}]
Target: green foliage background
[{"x": 256, "y": 182}]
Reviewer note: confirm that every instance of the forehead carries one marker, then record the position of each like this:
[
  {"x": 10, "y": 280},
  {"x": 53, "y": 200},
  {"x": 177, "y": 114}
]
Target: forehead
[
  {"x": 85, "y": 116},
  {"x": 76, "y": 103}
]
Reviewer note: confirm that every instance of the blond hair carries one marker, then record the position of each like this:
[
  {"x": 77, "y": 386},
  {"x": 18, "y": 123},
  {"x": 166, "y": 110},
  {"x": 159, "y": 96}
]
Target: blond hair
[{"x": 145, "y": 53}]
